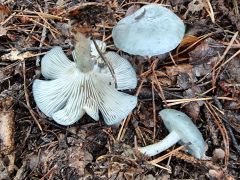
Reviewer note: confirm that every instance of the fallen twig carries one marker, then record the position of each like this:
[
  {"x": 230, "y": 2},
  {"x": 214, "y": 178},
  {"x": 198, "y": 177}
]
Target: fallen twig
[{"x": 27, "y": 97}]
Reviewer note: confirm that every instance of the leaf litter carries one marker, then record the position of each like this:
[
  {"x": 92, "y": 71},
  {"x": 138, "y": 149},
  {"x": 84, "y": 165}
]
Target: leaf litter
[{"x": 200, "y": 78}]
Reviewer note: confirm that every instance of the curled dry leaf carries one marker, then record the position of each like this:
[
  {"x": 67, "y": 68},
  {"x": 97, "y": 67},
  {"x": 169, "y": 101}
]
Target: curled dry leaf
[
  {"x": 187, "y": 41},
  {"x": 6, "y": 126},
  {"x": 15, "y": 55}
]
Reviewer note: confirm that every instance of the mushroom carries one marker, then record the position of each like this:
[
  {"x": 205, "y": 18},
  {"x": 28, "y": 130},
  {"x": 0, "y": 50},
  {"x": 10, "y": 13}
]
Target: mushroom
[
  {"x": 150, "y": 31},
  {"x": 94, "y": 52},
  {"x": 181, "y": 130},
  {"x": 75, "y": 88}
]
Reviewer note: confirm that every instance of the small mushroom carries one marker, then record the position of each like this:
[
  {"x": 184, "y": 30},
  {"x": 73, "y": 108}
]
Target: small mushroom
[
  {"x": 76, "y": 88},
  {"x": 181, "y": 130},
  {"x": 150, "y": 31}
]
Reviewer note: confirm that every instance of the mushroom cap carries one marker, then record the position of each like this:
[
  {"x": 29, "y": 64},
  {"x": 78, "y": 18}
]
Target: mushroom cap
[
  {"x": 70, "y": 93},
  {"x": 180, "y": 123},
  {"x": 150, "y": 31},
  {"x": 102, "y": 47}
]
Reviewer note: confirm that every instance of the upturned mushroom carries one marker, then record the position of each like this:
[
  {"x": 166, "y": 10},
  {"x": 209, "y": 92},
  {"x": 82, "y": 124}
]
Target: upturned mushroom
[
  {"x": 150, "y": 31},
  {"x": 181, "y": 130},
  {"x": 75, "y": 88}
]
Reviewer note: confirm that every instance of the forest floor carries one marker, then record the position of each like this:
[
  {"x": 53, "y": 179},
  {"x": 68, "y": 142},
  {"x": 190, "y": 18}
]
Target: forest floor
[{"x": 201, "y": 77}]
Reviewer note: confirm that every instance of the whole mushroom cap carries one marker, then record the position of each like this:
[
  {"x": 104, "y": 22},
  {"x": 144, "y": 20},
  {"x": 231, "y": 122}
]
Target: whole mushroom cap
[
  {"x": 150, "y": 31},
  {"x": 180, "y": 123},
  {"x": 70, "y": 91}
]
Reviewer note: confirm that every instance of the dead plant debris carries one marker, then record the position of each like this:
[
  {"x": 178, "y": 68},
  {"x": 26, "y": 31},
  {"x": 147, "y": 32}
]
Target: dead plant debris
[{"x": 201, "y": 78}]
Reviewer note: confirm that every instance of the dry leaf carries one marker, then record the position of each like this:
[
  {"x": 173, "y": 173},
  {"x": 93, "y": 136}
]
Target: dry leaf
[
  {"x": 203, "y": 52},
  {"x": 78, "y": 159},
  {"x": 4, "y": 12},
  {"x": 184, "y": 81},
  {"x": 114, "y": 168},
  {"x": 164, "y": 176},
  {"x": 6, "y": 132},
  {"x": 215, "y": 174},
  {"x": 3, "y": 31},
  {"x": 234, "y": 118},
  {"x": 192, "y": 92},
  {"x": 232, "y": 69},
  {"x": 149, "y": 177},
  {"x": 132, "y": 173},
  {"x": 15, "y": 55},
  {"x": 5, "y": 73},
  {"x": 24, "y": 19},
  {"x": 3, "y": 171},
  {"x": 187, "y": 41},
  {"x": 64, "y": 28},
  {"x": 85, "y": 28},
  {"x": 60, "y": 2},
  {"x": 6, "y": 126},
  {"x": 175, "y": 70},
  {"x": 194, "y": 6},
  {"x": 205, "y": 68},
  {"x": 192, "y": 109},
  {"x": 165, "y": 81},
  {"x": 230, "y": 87}
]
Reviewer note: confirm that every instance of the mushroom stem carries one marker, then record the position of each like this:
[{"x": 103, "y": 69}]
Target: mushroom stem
[
  {"x": 153, "y": 149},
  {"x": 81, "y": 53}
]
